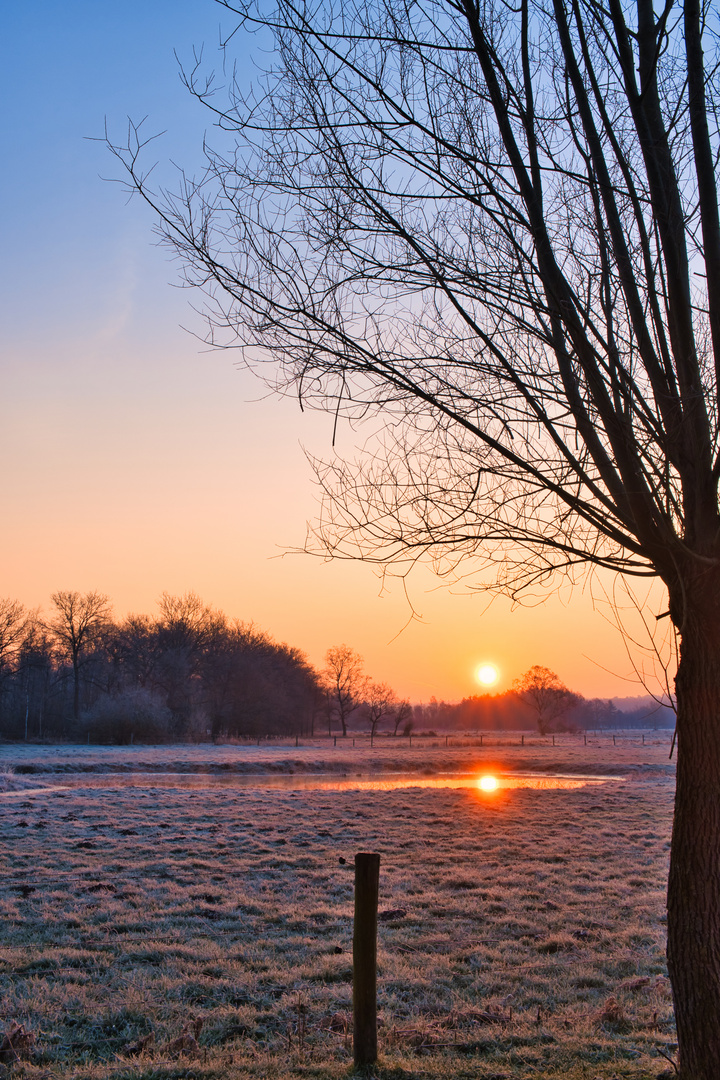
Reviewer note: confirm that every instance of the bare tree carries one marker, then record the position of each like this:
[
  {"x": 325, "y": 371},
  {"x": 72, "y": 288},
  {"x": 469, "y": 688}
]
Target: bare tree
[
  {"x": 345, "y": 683},
  {"x": 546, "y": 695},
  {"x": 79, "y": 619},
  {"x": 185, "y": 632},
  {"x": 15, "y": 628},
  {"x": 401, "y": 715},
  {"x": 15, "y": 621},
  {"x": 497, "y": 227},
  {"x": 381, "y": 703}
]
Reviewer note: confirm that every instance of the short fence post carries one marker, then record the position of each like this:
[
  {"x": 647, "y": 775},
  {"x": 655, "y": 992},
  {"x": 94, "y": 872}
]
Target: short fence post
[
  {"x": 553, "y": 740},
  {"x": 585, "y": 737},
  {"x": 410, "y": 738},
  {"x": 446, "y": 739},
  {"x": 522, "y": 740},
  {"x": 481, "y": 740},
  {"x": 643, "y": 742},
  {"x": 334, "y": 740},
  {"x": 367, "y": 882},
  {"x": 613, "y": 740}
]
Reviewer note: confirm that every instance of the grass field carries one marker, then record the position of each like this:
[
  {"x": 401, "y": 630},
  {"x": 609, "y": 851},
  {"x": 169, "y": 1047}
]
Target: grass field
[{"x": 206, "y": 931}]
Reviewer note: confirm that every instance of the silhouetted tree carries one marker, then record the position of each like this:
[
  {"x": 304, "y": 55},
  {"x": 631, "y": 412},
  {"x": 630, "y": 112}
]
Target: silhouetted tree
[
  {"x": 34, "y": 681},
  {"x": 255, "y": 686},
  {"x": 78, "y": 621},
  {"x": 344, "y": 682},
  {"x": 381, "y": 703},
  {"x": 134, "y": 651},
  {"x": 15, "y": 622},
  {"x": 187, "y": 629},
  {"x": 546, "y": 695},
  {"x": 401, "y": 715},
  {"x": 497, "y": 225}
]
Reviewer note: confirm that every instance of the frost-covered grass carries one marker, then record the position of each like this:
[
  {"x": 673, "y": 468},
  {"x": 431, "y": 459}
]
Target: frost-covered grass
[
  {"x": 423, "y": 755},
  {"x": 165, "y": 932}
]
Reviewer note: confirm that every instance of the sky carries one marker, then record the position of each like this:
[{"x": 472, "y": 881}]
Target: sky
[{"x": 137, "y": 461}]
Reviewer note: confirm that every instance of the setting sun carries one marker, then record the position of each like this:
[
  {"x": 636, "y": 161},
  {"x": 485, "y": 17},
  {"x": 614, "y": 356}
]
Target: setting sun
[
  {"x": 487, "y": 674},
  {"x": 487, "y": 783}
]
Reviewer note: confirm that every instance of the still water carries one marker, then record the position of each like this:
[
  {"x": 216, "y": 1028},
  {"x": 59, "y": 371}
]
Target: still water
[{"x": 314, "y": 782}]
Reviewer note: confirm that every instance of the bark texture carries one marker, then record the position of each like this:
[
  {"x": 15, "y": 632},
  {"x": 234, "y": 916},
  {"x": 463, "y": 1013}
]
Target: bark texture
[{"x": 694, "y": 880}]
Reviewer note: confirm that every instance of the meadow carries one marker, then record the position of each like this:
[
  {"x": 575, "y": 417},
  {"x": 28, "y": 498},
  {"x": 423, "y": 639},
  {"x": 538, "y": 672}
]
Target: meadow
[{"x": 196, "y": 929}]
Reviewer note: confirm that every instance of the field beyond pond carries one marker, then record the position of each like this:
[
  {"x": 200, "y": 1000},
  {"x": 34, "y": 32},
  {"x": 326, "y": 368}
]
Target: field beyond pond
[{"x": 159, "y": 923}]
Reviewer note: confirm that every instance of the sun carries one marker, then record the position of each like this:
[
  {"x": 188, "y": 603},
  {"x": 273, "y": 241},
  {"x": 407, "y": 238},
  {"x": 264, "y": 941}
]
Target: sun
[
  {"x": 487, "y": 783},
  {"x": 487, "y": 674}
]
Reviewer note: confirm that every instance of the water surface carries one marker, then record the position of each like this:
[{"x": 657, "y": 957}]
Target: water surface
[{"x": 312, "y": 782}]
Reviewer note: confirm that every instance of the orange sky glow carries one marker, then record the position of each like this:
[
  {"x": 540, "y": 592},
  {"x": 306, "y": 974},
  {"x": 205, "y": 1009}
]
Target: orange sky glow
[{"x": 136, "y": 461}]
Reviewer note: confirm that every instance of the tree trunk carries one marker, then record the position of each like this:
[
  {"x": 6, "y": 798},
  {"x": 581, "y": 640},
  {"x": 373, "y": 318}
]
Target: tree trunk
[
  {"x": 76, "y": 688},
  {"x": 694, "y": 881}
]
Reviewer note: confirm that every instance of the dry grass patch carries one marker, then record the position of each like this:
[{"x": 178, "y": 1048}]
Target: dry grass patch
[{"x": 158, "y": 933}]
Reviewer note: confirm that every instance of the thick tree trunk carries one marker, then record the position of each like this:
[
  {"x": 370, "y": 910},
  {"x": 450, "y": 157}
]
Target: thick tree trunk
[{"x": 694, "y": 882}]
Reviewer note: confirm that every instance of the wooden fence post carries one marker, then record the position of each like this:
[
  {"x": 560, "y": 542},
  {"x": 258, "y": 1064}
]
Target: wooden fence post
[{"x": 367, "y": 882}]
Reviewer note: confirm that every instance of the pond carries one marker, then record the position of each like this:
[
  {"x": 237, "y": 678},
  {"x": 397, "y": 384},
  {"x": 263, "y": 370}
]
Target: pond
[{"x": 483, "y": 782}]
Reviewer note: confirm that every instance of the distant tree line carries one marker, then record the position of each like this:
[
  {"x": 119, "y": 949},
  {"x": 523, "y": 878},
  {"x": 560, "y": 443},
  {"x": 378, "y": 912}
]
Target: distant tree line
[
  {"x": 503, "y": 712},
  {"x": 538, "y": 701},
  {"x": 188, "y": 673}
]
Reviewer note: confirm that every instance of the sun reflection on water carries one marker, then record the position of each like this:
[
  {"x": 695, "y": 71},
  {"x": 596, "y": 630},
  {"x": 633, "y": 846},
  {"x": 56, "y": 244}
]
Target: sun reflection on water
[{"x": 486, "y": 783}]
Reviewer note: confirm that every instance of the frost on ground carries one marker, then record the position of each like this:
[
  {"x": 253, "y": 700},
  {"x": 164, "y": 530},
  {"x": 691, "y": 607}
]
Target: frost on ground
[
  {"x": 425, "y": 754},
  {"x": 10, "y": 783},
  {"x": 166, "y": 932}
]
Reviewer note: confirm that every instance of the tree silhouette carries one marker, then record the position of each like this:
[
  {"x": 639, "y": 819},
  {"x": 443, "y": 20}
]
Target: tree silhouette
[
  {"x": 497, "y": 228},
  {"x": 344, "y": 682},
  {"x": 15, "y": 622},
  {"x": 546, "y": 695},
  {"x": 78, "y": 620},
  {"x": 381, "y": 703}
]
